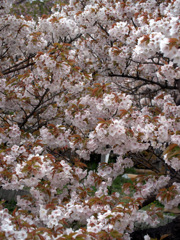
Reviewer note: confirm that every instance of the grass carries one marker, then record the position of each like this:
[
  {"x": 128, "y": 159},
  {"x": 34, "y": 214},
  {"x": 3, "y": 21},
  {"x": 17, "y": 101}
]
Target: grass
[{"x": 130, "y": 170}]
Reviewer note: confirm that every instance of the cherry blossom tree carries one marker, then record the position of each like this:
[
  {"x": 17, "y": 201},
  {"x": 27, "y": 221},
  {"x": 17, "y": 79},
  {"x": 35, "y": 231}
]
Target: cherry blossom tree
[{"x": 93, "y": 77}]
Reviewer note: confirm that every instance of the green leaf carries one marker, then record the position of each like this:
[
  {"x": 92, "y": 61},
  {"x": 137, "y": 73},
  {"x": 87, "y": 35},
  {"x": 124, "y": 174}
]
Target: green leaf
[{"x": 116, "y": 234}]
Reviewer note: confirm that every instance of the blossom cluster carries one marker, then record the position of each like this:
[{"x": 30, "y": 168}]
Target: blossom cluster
[{"x": 93, "y": 77}]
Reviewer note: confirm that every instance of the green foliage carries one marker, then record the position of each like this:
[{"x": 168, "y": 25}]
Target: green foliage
[
  {"x": 130, "y": 170},
  {"x": 118, "y": 186},
  {"x": 35, "y": 8},
  {"x": 156, "y": 203}
]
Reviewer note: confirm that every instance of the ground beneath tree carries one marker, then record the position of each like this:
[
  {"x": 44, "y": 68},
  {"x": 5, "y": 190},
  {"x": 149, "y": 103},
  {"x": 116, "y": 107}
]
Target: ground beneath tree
[{"x": 171, "y": 231}]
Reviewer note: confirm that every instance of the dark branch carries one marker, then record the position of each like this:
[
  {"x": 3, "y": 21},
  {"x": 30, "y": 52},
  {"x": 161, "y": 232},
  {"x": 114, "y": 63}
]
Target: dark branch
[
  {"x": 34, "y": 110},
  {"x": 20, "y": 1},
  {"x": 19, "y": 65},
  {"x": 142, "y": 79}
]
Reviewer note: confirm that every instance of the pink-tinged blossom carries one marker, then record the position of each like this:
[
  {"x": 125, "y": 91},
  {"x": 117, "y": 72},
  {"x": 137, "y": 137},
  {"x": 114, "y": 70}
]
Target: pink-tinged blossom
[{"x": 174, "y": 202}]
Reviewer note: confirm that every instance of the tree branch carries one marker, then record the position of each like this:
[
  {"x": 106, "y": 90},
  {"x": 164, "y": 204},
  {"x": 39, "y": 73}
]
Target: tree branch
[
  {"x": 20, "y": 1},
  {"x": 34, "y": 110},
  {"x": 142, "y": 79},
  {"x": 18, "y": 66}
]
